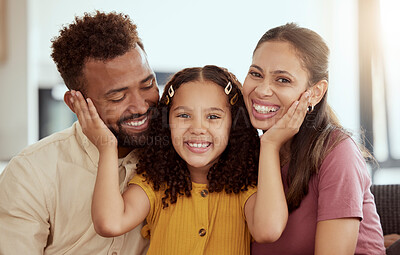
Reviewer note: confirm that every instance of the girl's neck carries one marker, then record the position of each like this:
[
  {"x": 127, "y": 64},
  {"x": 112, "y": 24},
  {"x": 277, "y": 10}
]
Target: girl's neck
[{"x": 199, "y": 174}]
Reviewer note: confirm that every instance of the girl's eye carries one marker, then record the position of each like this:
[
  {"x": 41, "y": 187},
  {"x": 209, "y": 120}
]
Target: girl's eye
[
  {"x": 255, "y": 74},
  {"x": 283, "y": 80},
  {"x": 213, "y": 117},
  {"x": 183, "y": 115}
]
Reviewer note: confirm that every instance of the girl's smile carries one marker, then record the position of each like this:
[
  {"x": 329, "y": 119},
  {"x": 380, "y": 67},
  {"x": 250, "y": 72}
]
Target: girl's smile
[
  {"x": 200, "y": 122},
  {"x": 198, "y": 146}
]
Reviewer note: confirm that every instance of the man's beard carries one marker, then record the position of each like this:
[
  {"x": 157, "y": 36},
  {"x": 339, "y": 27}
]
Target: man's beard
[
  {"x": 137, "y": 140},
  {"x": 128, "y": 140}
]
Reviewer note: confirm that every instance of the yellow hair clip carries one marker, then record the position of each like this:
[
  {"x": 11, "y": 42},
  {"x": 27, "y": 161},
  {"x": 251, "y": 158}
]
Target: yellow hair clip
[{"x": 234, "y": 99}]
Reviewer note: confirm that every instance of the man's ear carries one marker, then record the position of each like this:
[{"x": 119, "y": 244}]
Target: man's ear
[
  {"x": 318, "y": 91},
  {"x": 67, "y": 100}
]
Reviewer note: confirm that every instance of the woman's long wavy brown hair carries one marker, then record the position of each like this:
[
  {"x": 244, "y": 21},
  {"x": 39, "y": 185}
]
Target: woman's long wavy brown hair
[
  {"x": 237, "y": 167},
  {"x": 321, "y": 130}
]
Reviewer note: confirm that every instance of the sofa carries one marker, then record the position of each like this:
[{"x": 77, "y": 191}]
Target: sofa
[{"x": 387, "y": 200}]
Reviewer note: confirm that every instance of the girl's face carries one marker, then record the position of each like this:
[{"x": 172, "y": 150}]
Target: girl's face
[
  {"x": 200, "y": 122},
  {"x": 275, "y": 80}
]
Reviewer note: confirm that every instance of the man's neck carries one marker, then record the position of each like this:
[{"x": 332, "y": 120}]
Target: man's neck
[{"x": 123, "y": 151}]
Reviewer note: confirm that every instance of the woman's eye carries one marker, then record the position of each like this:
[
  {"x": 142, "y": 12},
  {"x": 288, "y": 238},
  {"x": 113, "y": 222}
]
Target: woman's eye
[
  {"x": 213, "y": 117},
  {"x": 255, "y": 74},
  {"x": 283, "y": 80},
  {"x": 183, "y": 115}
]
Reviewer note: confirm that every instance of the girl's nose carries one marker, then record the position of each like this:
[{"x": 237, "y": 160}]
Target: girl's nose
[{"x": 197, "y": 127}]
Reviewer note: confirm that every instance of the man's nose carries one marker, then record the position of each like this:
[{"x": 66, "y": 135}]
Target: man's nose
[{"x": 138, "y": 104}]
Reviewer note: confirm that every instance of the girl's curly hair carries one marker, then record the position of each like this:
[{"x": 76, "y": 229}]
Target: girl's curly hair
[
  {"x": 237, "y": 167},
  {"x": 99, "y": 36}
]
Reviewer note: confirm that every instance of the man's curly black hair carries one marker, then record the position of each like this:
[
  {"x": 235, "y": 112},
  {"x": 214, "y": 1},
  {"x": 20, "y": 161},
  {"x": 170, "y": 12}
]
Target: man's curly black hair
[
  {"x": 99, "y": 36},
  {"x": 236, "y": 169}
]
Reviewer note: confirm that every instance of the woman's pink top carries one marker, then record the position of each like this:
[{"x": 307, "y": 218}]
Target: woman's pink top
[{"x": 341, "y": 189}]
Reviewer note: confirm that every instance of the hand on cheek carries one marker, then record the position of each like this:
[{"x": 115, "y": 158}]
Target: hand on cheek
[
  {"x": 289, "y": 124},
  {"x": 92, "y": 125}
]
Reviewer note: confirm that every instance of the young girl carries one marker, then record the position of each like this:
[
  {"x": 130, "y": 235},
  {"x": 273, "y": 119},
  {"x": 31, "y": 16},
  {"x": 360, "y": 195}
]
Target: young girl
[
  {"x": 332, "y": 210},
  {"x": 196, "y": 179}
]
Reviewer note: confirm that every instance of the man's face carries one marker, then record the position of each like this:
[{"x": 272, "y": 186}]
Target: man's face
[{"x": 124, "y": 91}]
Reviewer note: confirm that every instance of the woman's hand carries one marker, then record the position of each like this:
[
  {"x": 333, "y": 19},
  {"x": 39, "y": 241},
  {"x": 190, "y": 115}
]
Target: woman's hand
[
  {"x": 390, "y": 239},
  {"x": 92, "y": 126},
  {"x": 289, "y": 124}
]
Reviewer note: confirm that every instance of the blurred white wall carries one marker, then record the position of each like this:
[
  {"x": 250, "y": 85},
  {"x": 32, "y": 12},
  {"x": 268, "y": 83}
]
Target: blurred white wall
[
  {"x": 176, "y": 34},
  {"x": 14, "y": 80}
]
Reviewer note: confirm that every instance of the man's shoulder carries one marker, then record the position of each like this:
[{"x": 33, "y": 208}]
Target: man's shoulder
[
  {"x": 52, "y": 142},
  {"x": 47, "y": 157}
]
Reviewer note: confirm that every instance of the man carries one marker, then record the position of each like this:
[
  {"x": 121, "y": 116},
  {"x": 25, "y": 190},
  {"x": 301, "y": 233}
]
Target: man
[{"x": 46, "y": 190}]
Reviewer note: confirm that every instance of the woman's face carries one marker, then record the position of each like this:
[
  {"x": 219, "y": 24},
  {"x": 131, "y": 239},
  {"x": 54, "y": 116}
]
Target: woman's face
[{"x": 275, "y": 80}]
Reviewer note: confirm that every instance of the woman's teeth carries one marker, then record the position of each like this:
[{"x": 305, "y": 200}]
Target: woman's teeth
[
  {"x": 199, "y": 145},
  {"x": 265, "y": 109},
  {"x": 136, "y": 123}
]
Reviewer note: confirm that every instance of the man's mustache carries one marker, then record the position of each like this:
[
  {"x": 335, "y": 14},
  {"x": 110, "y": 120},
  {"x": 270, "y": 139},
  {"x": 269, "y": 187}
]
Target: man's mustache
[{"x": 135, "y": 115}]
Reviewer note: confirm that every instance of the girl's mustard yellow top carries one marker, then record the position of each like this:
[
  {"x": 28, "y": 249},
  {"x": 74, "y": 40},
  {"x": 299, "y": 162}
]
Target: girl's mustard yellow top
[{"x": 205, "y": 223}]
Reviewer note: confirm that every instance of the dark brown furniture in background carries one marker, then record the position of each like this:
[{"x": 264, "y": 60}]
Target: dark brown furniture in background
[{"x": 387, "y": 199}]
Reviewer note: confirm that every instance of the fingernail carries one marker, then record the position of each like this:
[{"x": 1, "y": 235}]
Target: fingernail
[
  {"x": 71, "y": 99},
  {"x": 307, "y": 94}
]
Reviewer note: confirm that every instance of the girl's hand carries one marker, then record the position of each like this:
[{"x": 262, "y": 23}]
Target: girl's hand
[
  {"x": 289, "y": 124},
  {"x": 92, "y": 126}
]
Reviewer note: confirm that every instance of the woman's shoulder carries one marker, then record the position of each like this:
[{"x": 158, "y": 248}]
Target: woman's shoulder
[
  {"x": 341, "y": 142},
  {"x": 343, "y": 157}
]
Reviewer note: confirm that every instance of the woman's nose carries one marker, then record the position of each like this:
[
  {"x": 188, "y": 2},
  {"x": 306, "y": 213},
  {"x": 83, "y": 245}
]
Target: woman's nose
[{"x": 264, "y": 89}]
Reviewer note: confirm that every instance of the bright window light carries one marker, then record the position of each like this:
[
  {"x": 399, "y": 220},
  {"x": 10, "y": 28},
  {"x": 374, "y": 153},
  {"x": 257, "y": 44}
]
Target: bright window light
[{"x": 390, "y": 20}]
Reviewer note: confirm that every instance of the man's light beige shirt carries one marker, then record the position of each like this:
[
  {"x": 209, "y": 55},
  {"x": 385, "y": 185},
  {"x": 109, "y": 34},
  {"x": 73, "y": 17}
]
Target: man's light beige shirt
[{"x": 45, "y": 200}]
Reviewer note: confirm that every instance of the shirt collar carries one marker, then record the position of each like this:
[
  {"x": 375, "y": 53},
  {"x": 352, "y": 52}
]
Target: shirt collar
[
  {"x": 88, "y": 146},
  {"x": 93, "y": 153}
]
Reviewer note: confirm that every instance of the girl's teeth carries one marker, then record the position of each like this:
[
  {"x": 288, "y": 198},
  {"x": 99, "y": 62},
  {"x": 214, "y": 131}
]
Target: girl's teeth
[
  {"x": 264, "y": 109},
  {"x": 199, "y": 145}
]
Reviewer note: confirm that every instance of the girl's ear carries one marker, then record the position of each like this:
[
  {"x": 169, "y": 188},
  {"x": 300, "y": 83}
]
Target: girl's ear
[
  {"x": 67, "y": 100},
  {"x": 318, "y": 91}
]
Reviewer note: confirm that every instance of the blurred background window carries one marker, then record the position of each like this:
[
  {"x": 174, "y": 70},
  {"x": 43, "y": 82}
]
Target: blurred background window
[{"x": 379, "y": 55}]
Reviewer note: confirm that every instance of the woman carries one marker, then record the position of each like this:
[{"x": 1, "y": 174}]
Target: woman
[{"x": 332, "y": 210}]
